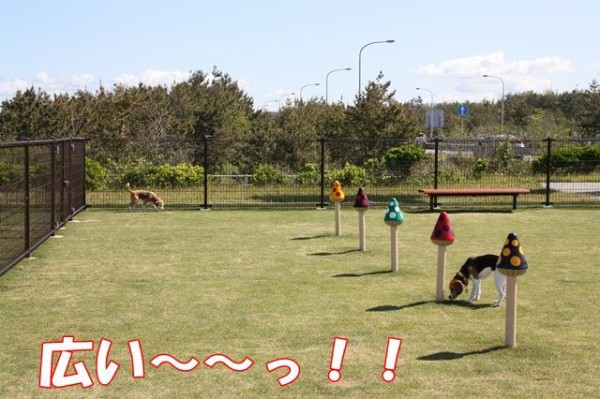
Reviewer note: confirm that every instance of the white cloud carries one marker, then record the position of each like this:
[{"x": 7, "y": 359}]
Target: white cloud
[
  {"x": 70, "y": 84},
  {"x": 47, "y": 83},
  {"x": 152, "y": 77},
  {"x": 9, "y": 88},
  {"x": 518, "y": 76}
]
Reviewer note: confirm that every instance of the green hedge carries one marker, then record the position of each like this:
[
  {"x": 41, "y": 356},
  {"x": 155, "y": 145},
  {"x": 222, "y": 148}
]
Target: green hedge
[
  {"x": 583, "y": 159},
  {"x": 142, "y": 174}
]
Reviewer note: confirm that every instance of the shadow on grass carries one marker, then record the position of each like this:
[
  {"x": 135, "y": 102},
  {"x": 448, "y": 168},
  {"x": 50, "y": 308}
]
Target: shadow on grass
[
  {"x": 393, "y": 308},
  {"x": 463, "y": 209},
  {"x": 326, "y": 253},
  {"x": 465, "y": 304},
  {"x": 311, "y": 237},
  {"x": 362, "y": 274},
  {"x": 447, "y": 355}
]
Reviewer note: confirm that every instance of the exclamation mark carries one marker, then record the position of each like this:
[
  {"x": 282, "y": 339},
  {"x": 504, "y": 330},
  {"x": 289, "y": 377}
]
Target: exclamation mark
[
  {"x": 337, "y": 357},
  {"x": 392, "y": 353}
]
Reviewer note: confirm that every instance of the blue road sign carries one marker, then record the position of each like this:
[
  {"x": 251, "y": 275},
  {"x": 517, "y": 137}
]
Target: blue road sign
[{"x": 462, "y": 110}]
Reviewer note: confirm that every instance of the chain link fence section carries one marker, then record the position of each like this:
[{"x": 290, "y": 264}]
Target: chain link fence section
[{"x": 42, "y": 186}]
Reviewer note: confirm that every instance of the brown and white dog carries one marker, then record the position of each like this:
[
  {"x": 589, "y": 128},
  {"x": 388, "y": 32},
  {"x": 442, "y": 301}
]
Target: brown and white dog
[
  {"x": 144, "y": 196},
  {"x": 476, "y": 269}
]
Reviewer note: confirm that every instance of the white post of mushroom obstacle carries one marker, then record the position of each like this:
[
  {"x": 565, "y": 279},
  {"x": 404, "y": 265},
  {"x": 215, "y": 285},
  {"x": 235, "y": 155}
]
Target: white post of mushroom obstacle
[
  {"x": 441, "y": 273},
  {"x": 338, "y": 217},
  {"x": 510, "y": 327},
  {"x": 393, "y": 218},
  {"x": 394, "y": 247},
  {"x": 362, "y": 234},
  {"x": 511, "y": 263},
  {"x": 361, "y": 204},
  {"x": 337, "y": 196},
  {"x": 442, "y": 236}
]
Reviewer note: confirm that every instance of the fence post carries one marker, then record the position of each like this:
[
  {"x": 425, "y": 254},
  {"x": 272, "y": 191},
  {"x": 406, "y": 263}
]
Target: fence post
[
  {"x": 436, "y": 168},
  {"x": 205, "y": 205},
  {"x": 548, "y": 170},
  {"x": 54, "y": 151},
  {"x": 322, "y": 204},
  {"x": 27, "y": 227}
]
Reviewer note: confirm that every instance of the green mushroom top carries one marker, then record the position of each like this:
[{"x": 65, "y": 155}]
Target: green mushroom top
[
  {"x": 393, "y": 215},
  {"x": 512, "y": 260}
]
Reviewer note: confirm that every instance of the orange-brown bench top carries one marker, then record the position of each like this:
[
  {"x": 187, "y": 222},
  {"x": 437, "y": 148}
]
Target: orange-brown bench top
[{"x": 474, "y": 191}]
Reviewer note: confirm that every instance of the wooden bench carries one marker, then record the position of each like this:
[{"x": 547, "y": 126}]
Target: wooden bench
[{"x": 433, "y": 193}]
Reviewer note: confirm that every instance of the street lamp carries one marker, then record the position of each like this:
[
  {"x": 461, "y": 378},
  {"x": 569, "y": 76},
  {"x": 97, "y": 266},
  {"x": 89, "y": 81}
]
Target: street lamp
[
  {"x": 430, "y": 112},
  {"x": 359, "y": 61},
  {"x": 502, "y": 118},
  {"x": 284, "y": 95},
  {"x": 266, "y": 105},
  {"x": 327, "y": 82},
  {"x": 310, "y": 84}
]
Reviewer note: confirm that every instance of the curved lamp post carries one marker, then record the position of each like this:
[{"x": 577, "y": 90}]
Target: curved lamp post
[
  {"x": 502, "y": 118},
  {"x": 327, "y": 81},
  {"x": 284, "y": 95},
  {"x": 359, "y": 62},
  {"x": 430, "y": 112},
  {"x": 266, "y": 105},
  {"x": 310, "y": 84}
]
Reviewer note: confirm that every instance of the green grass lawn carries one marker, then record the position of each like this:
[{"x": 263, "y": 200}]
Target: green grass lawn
[{"x": 279, "y": 284}]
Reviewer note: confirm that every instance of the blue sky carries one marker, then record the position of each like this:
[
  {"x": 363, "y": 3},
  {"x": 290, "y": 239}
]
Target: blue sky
[{"x": 273, "y": 48}]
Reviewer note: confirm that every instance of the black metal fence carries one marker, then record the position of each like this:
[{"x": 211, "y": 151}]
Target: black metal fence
[
  {"x": 42, "y": 185},
  {"x": 557, "y": 172}
]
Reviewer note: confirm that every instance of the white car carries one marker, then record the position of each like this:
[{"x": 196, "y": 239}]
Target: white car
[
  {"x": 421, "y": 139},
  {"x": 516, "y": 143}
]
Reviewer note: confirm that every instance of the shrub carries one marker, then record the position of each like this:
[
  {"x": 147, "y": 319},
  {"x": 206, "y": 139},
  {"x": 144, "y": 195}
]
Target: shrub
[
  {"x": 143, "y": 174},
  {"x": 10, "y": 172},
  {"x": 96, "y": 175},
  {"x": 570, "y": 160},
  {"x": 350, "y": 175},
  {"x": 309, "y": 174},
  {"x": 180, "y": 175},
  {"x": 267, "y": 174},
  {"x": 480, "y": 167},
  {"x": 401, "y": 159}
]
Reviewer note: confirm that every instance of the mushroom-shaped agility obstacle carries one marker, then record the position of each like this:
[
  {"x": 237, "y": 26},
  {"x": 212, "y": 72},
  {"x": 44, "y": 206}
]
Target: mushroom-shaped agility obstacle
[
  {"x": 337, "y": 196},
  {"x": 394, "y": 218},
  {"x": 361, "y": 201},
  {"x": 511, "y": 263},
  {"x": 442, "y": 236},
  {"x": 361, "y": 204},
  {"x": 443, "y": 233},
  {"x": 337, "y": 192},
  {"x": 512, "y": 260}
]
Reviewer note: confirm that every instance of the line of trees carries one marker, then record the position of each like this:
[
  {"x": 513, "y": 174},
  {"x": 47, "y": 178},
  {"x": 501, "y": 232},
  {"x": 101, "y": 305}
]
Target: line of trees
[{"x": 168, "y": 125}]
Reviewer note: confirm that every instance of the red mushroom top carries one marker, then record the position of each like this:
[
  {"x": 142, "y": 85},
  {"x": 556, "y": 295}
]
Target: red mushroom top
[
  {"x": 443, "y": 233},
  {"x": 361, "y": 200}
]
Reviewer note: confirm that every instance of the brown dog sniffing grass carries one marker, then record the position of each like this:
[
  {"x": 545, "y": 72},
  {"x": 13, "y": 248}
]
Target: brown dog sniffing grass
[{"x": 146, "y": 197}]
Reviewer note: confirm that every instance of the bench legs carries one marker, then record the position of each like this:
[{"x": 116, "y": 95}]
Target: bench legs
[{"x": 433, "y": 202}]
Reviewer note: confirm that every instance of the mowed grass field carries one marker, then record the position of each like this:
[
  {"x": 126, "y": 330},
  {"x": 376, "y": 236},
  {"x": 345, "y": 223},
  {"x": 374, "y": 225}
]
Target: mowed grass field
[{"x": 279, "y": 284}]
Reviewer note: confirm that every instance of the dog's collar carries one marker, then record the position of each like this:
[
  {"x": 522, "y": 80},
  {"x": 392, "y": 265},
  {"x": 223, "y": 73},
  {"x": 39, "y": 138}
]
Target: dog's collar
[{"x": 463, "y": 278}]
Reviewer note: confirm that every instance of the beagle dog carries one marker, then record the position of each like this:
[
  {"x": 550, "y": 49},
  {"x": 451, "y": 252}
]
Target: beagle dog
[
  {"x": 146, "y": 197},
  {"x": 476, "y": 269}
]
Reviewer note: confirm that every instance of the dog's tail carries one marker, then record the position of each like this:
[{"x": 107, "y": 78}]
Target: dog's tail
[{"x": 129, "y": 188}]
